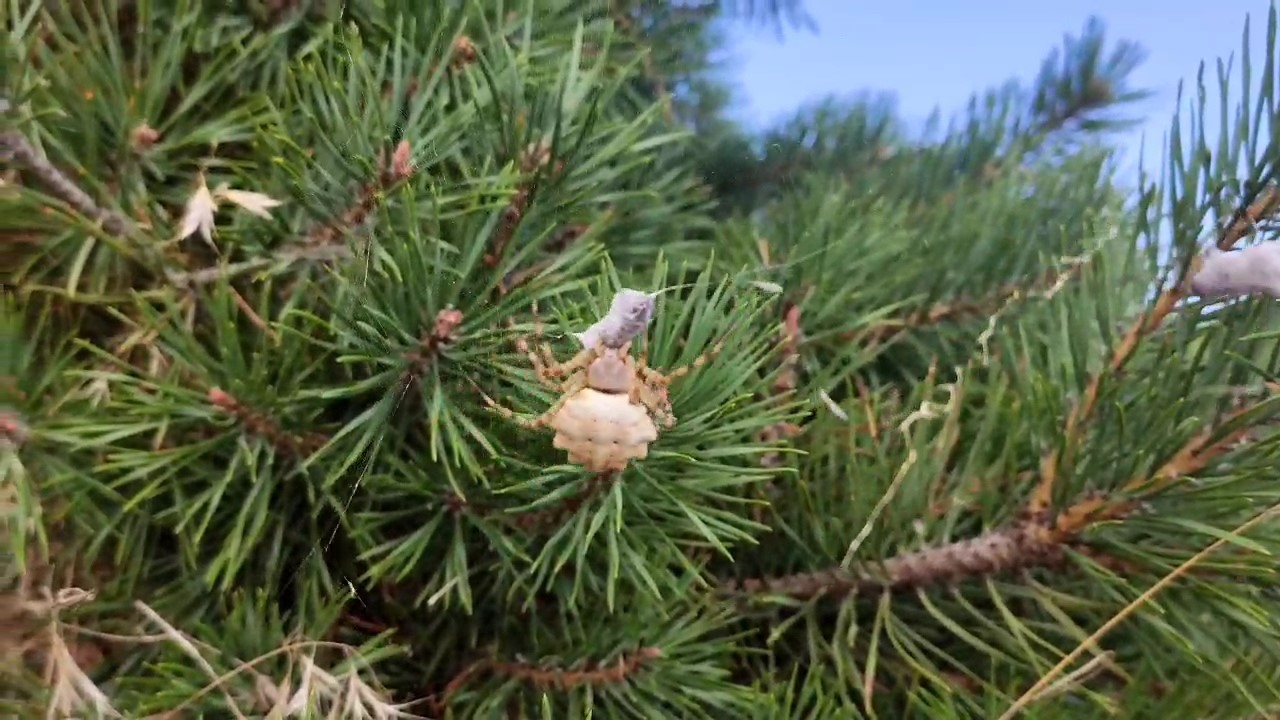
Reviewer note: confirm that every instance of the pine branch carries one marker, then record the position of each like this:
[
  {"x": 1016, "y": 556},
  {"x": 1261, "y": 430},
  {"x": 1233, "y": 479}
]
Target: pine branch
[
  {"x": 261, "y": 425},
  {"x": 1022, "y": 546},
  {"x": 392, "y": 173},
  {"x": 1146, "y": 323},
  {"x": 549, "y": 678},
  {"x": 559, "y": 244},
  {"x": 959, "y": 310},
  {"x": 13, "y": 144},
  {"x": 320, "y": 244},
  {"x": 287, "y": 257},
  {"x": 786, "y": 383},
  {"x": 1196, "y": 454},
  {"x": 997, "y": 552},
  {"x": 655, "y": 79},
  {"x": 1025, "y": 545},
  {"x": 1089, "y": 643},
  {"x": 532, "y": 160}
]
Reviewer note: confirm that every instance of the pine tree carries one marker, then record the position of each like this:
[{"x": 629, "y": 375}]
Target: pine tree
[{"x": 980, "y": 430}]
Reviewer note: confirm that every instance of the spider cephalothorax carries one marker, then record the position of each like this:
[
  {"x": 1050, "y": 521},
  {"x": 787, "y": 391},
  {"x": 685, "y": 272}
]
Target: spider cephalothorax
[{"x": 609, "y": 405}]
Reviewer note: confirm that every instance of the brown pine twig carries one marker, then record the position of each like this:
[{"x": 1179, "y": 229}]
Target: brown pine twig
[
  {"x": 444, "y": 333},
  {"x": 14, "y": 145},
  {"x": 1026, "y": 545},
  {"x": 321, "y": 243},
  {"x": 537, "y": 520},
  {"x": 534, "y": 158},
  {"x": 462, "y": 53},
  {"x": 1194, "y": 455},
  {"x": 563, "y": 240},
  {"x": 393, "y": 172},
  {"x": 1146, "y": 323},
  {"x": 650, "y": 69},
  {"x": 555, "y": 516},
  {"x": 786, "y": 383},
  {"x": 287, "y": 257},
  {"x": 1245, "y": 219},
  {"x": 262, "y": 426},
  {"x": 254, "y": 318},
  {"x": 549, "y": 678},
  {"x": 967, "y": 309},
  {"x": 996, "y": 552},
  {"x": 371, "y": 627}
]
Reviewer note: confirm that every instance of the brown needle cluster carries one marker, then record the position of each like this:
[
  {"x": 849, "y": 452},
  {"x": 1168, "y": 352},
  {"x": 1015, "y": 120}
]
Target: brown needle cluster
[
  {"x": 562, "y": 241},
  {"x": 786, "y": 383},
  {"x": 264, "y": 427},
  {"x": 444, "y": 333},
  {"x": 533, "y": 160},
  {"x": 393, "y": 172},
  {"x": 12, "y": 428}
]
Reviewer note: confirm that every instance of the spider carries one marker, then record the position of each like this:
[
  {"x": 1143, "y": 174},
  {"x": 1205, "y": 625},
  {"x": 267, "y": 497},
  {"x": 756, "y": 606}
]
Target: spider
[{"x": 608, "y": 404}]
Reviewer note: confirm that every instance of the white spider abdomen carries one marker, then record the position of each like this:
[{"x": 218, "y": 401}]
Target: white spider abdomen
[{"x": 603, "y": 431}]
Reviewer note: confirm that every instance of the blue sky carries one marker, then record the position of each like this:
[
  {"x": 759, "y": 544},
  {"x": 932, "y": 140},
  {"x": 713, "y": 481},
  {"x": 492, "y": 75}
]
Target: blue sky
[{"x": 935, "y": 53}]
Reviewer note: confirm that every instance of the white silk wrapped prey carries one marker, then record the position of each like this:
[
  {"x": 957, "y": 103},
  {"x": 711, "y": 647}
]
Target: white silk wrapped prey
[
  {"x": 1255, "y": 270},
  {"x": 629, "y": 314}
]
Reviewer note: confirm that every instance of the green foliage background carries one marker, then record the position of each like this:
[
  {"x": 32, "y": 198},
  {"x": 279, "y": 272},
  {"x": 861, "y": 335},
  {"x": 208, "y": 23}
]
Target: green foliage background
[{"x": 961, "y": 294}]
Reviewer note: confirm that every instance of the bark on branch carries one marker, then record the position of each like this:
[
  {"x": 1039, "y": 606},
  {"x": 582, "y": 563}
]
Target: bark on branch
[
  {"x": 14, "y": 145},
  {"x": 1029, "y": 544},
  {"x": 996, "y": 552}
]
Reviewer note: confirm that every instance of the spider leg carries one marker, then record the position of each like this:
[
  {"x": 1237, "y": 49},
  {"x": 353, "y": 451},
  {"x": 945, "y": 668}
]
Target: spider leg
[
  {"x": 655, "y": 377},
  {"x": 550, "y": 365},
  {"x": 579, "y": 362},
  {"x": 651, "y": 394},
  {"x": 636, "y": 395},
  {"x": 659, "y": 404},
  {"x": 545, "y": 366},
  {"x": 570, "y": 388}
]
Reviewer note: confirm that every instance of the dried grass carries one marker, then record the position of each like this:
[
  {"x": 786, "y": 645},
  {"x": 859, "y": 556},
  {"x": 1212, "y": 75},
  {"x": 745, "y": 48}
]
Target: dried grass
[{"x": 32, "y": 634}]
